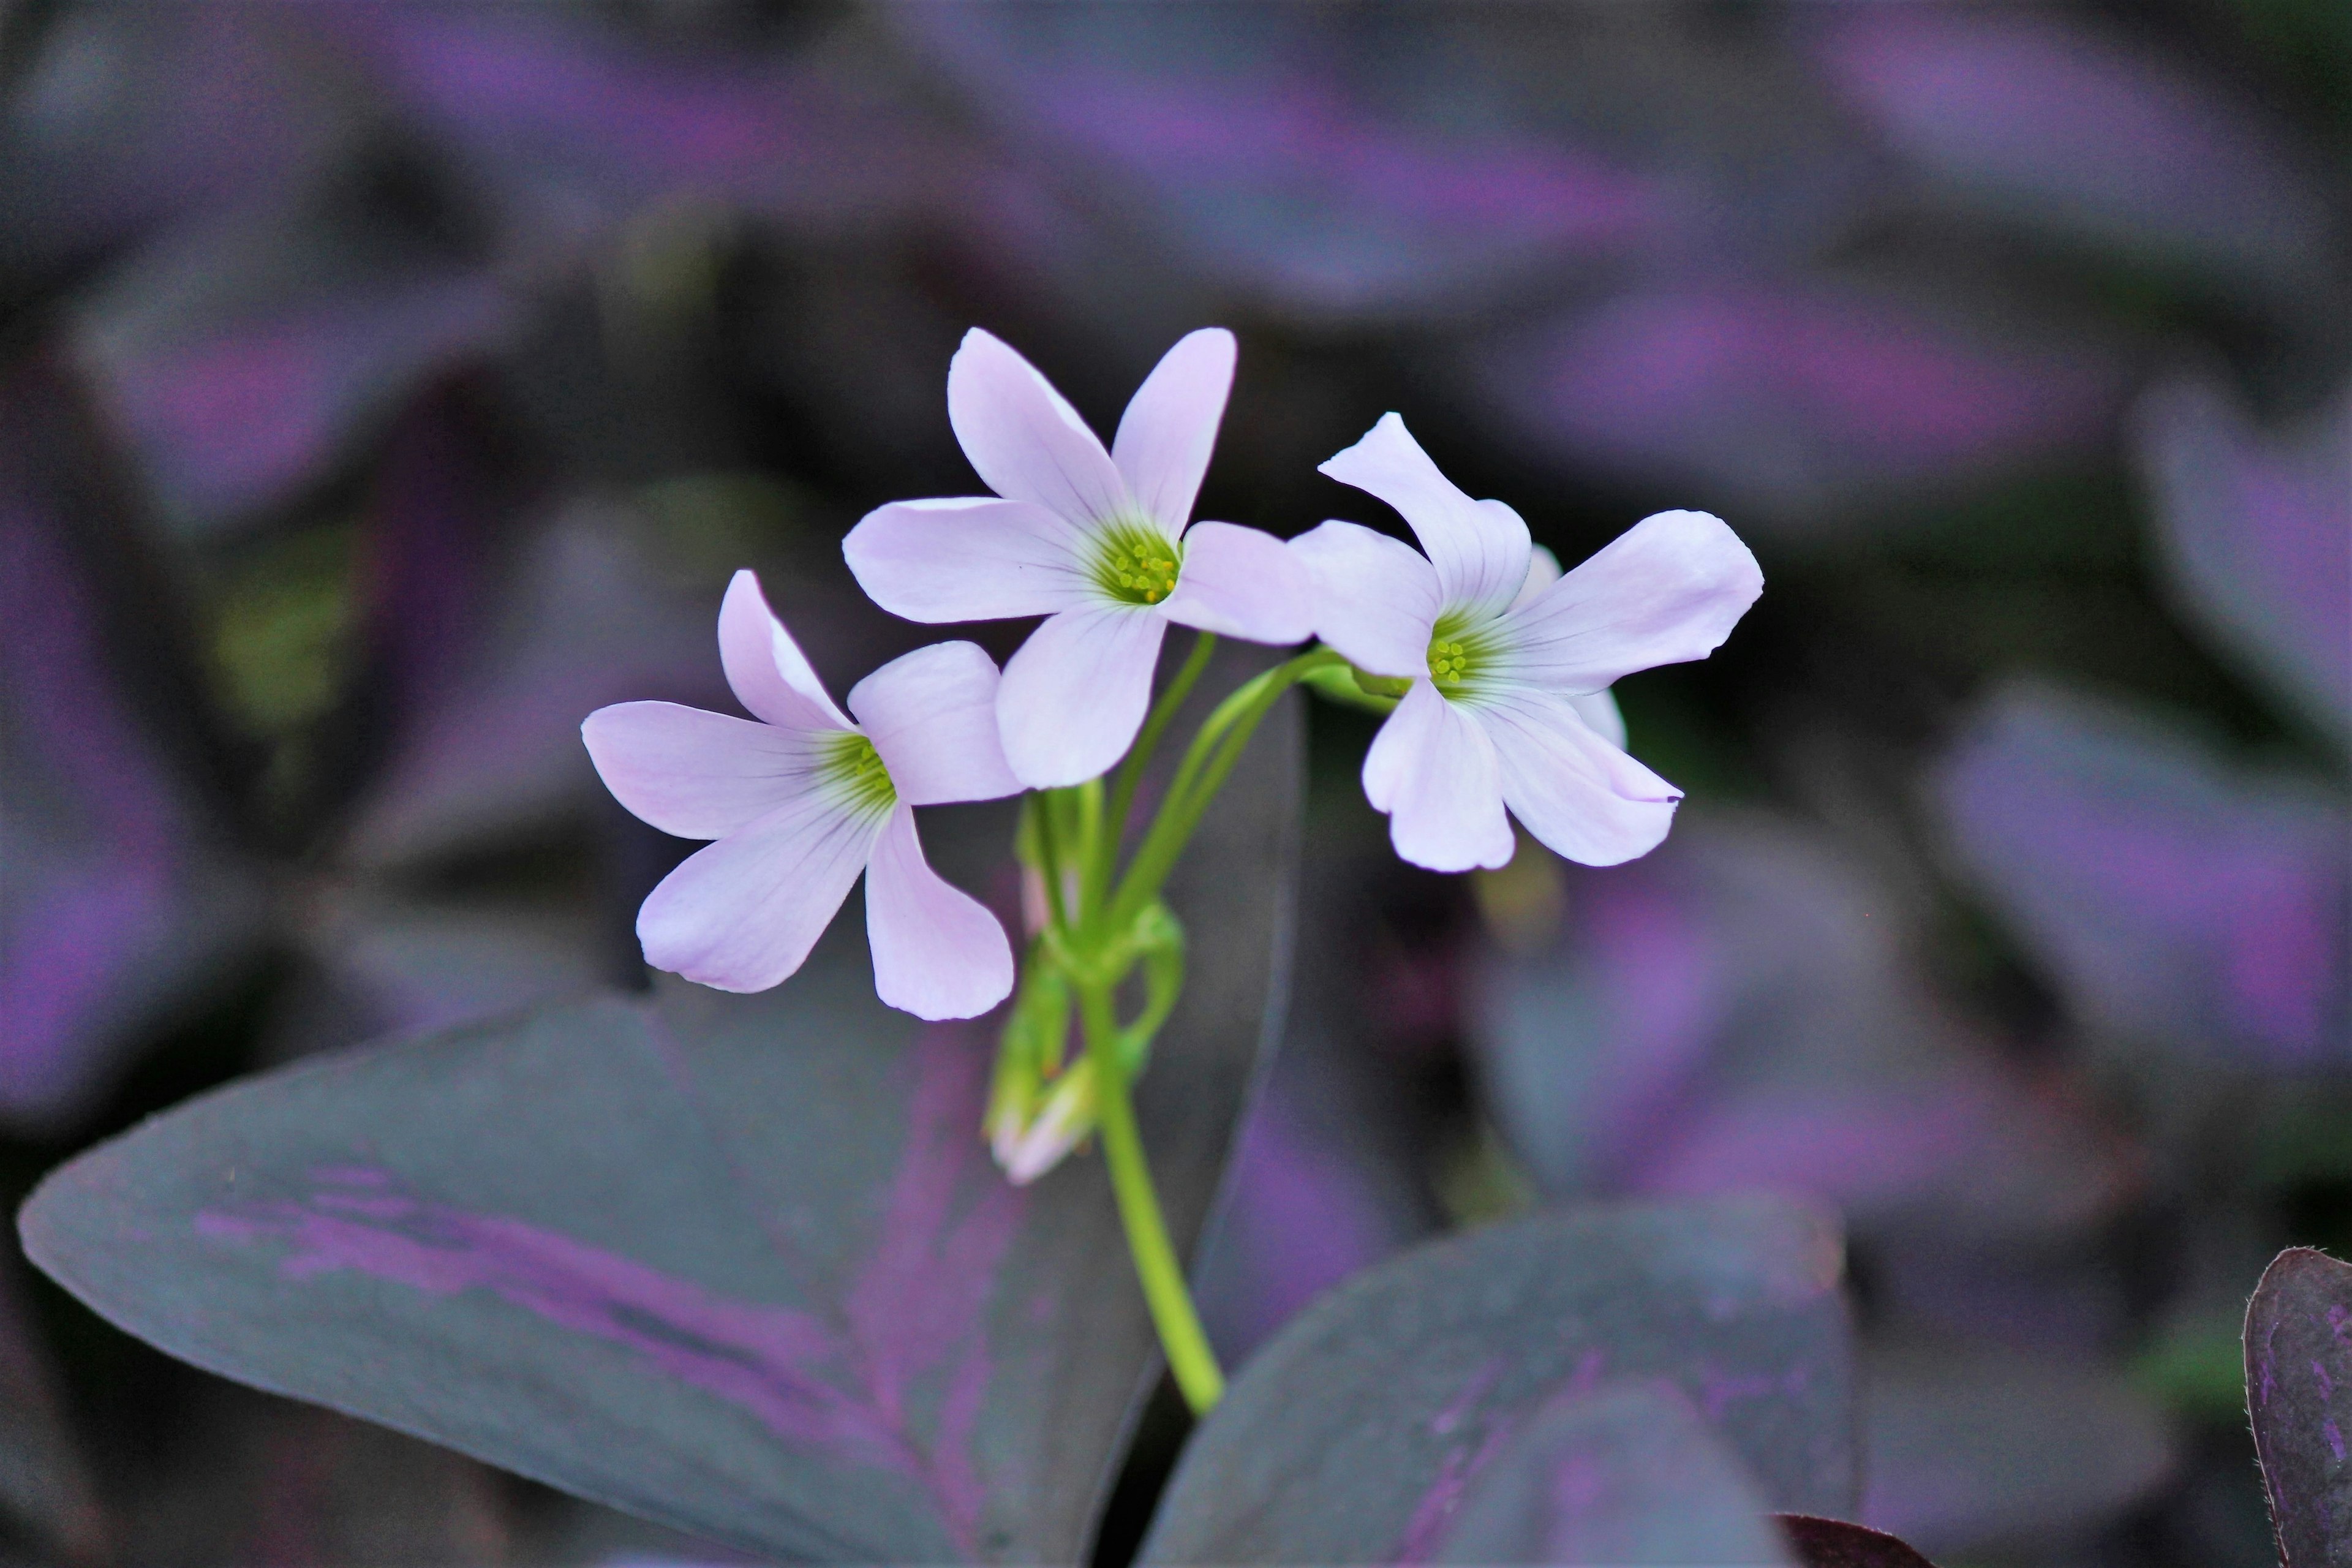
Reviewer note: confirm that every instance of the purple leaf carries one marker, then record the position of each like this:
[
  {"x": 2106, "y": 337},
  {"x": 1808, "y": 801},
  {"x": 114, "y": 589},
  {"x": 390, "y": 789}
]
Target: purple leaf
[
  {"x": 2175, "y": 899},
  {"x": 2088, "y": 133},
  {"x": 118, "y": 903},
  {"x": 2257, "y": 530},
  {"x": 1625, "y": 1475},
  {"x": 245, "y": 358},
  {"x": 1259, "y": 143},
  {"x": 127, "y": 119},
  {"x": 495, "y": 743},
  {"x": 580, "y": 126},
  {"x": 1834, "y": 1544},
  {"x": 1356, "y": 1433},
  {"x": 1794, "y": 404},
  {"x": 1966, "y": 1449},
  {"x": 740, "y": 1264},
  {"x": 2299, "y": 1394},
  {"x": 1733, "y": 1013}
]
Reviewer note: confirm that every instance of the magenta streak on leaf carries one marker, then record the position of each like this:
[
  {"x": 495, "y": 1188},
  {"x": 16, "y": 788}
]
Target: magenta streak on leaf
[
  {"x": 921, "y": 1297},
  {"x": 1461, "y": 1464},
  {"x": 919, "y": 1302}
]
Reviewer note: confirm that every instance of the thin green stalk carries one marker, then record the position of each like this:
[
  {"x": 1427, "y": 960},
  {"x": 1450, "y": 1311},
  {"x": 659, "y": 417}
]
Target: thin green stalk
[
  {"x": 1049, "y": 859},
  {"x": 1216, "y": 749},
  {"x": 1189, "y": 1360},
  {"x": 1130, "y": 772}
]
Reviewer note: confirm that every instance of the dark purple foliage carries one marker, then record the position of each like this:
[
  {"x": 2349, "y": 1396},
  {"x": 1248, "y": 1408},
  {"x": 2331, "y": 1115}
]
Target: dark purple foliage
[
  {"x": 2257, "y": 528},
  {"x": 1628, "y": 1474},
  {"x": 2035, "y": 117},
  {"x": 2174, "y": 899},
  {"x": 1834, "y": 1544},
  {"x": 1793, "y": 404},
  {"x": 1358, "y": 1431},
  {"x": 2299, "y": 1395}
]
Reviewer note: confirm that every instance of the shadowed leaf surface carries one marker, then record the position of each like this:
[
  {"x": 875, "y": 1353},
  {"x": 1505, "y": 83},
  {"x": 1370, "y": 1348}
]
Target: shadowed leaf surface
[
  {"x": 1970, "y": 1448},
  {"x": 1834, "y": 1544},
  {"x": 2299, "y": 1392},
  {"x": 740, "y": 1264},
  {"x": 1353, "y": 1436},
  {"x": 1624, "y": 1475}
]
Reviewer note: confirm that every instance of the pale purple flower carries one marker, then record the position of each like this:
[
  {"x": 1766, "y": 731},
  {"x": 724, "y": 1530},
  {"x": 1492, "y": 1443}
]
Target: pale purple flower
[
  {"x": 801, "y": 802},
  {"x": 1095, "y": 541},
  {"x": 1505, "y": 663}
]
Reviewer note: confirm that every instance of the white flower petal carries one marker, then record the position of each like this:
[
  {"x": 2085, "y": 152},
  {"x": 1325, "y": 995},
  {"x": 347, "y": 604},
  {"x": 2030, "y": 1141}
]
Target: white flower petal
[
  {"x": 931, "y": 715},
  {"x": 1170, "y": 425},
  {"x": 968, "y": 558},
  {"x": 1668, "y": 589},
  {"x": 1433, "y": 769},
  {"x": 769, "y": 673},
  {"x": 1240, "y": 583},
  {"x": 1579, "y": 794},
  {"x": 1543, "y": 570},
  {"x": 741, "y": 914},
  {"x": 1376, "y": 599},
  {"x": 1075, "y": 694},
  {"x": 695, "y": 774},
  {"x": 938, "y": 952},
  {"x": 1601, "y": 715},
  {"x": 1478, "y": 547},
  {"x": 1025, "y": 441}
]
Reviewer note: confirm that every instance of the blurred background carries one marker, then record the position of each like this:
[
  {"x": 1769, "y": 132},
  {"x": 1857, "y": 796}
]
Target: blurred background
[{"x": 384, "y": 386}]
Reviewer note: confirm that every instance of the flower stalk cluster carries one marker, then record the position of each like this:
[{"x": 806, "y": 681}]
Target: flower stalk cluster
[{"x": 1492, "y": 664}]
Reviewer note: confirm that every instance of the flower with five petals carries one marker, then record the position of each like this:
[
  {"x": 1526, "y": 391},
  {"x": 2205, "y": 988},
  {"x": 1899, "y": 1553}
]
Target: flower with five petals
[
  {"x": 802, "y": 801},
  {"x": 1095, "y": 541},
  {"x": 1504, "y": 666}
]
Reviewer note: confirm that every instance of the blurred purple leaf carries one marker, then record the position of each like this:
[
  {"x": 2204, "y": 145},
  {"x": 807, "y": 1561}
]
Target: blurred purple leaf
[
  {"x": 400, "y": 966},
  {"x": 1622, "y": 1476},
  {"x": 44, "y": 1481},
  {"x": 129, "y": 116},
  {"x": 2257, "y": 530},
  {"x": 1794, "y": 406},
  {"x": 1266, "y": 144},
  {"x": 2299, "y": 1395},
  {"x": 1355, "y": 1434},
  {"x": 2034, "y": 116},
  {"x": 741, "y": 1264},
  {"x": 1969, "y": 1449},
  {"x": 2173, "y": 899},
  {"x": 579, "y": 126},
  {"x": 1323, "y": 1184},
  {"x": 496, "y": 748},
  {"x": 1732, "y": 1013},
  {"x": 241, "y": 360},
  {"x": 120, "y": 903},
  {"x": 1834, "y": 1544}
]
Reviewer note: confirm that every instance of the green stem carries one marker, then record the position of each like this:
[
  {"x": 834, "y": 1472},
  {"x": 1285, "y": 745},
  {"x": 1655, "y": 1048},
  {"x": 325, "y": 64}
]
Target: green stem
[
  {"x": 1130, "y": 772},
  {"x": 1189, "y": 1358},
  {"x": 1216, "y": 749}
]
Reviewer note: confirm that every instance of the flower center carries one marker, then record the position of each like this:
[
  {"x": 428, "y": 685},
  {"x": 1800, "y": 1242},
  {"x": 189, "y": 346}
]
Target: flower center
[
  {"x": 854, "y": 769},
  {"x": 1135, "y": 564},
  {"x": 1456, "y": 656}
]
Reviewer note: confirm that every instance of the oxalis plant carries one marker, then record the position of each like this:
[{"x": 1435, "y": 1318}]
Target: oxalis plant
[{"x": 751, "y": 1258}]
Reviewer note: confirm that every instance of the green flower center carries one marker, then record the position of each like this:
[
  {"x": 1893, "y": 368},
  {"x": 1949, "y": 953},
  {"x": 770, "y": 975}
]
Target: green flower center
[
  {"x": 1456, "y": 656},
  {"x": 1137, "y": 565},
  {"x": 850, "y": 764}
]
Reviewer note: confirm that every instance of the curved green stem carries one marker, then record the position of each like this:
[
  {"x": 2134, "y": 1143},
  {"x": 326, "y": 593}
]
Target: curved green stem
[
  {"x": 1130, "y": 772},
  {"x": 1189, "y": 1360},
  {"x": 1222, "y": 738}
]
